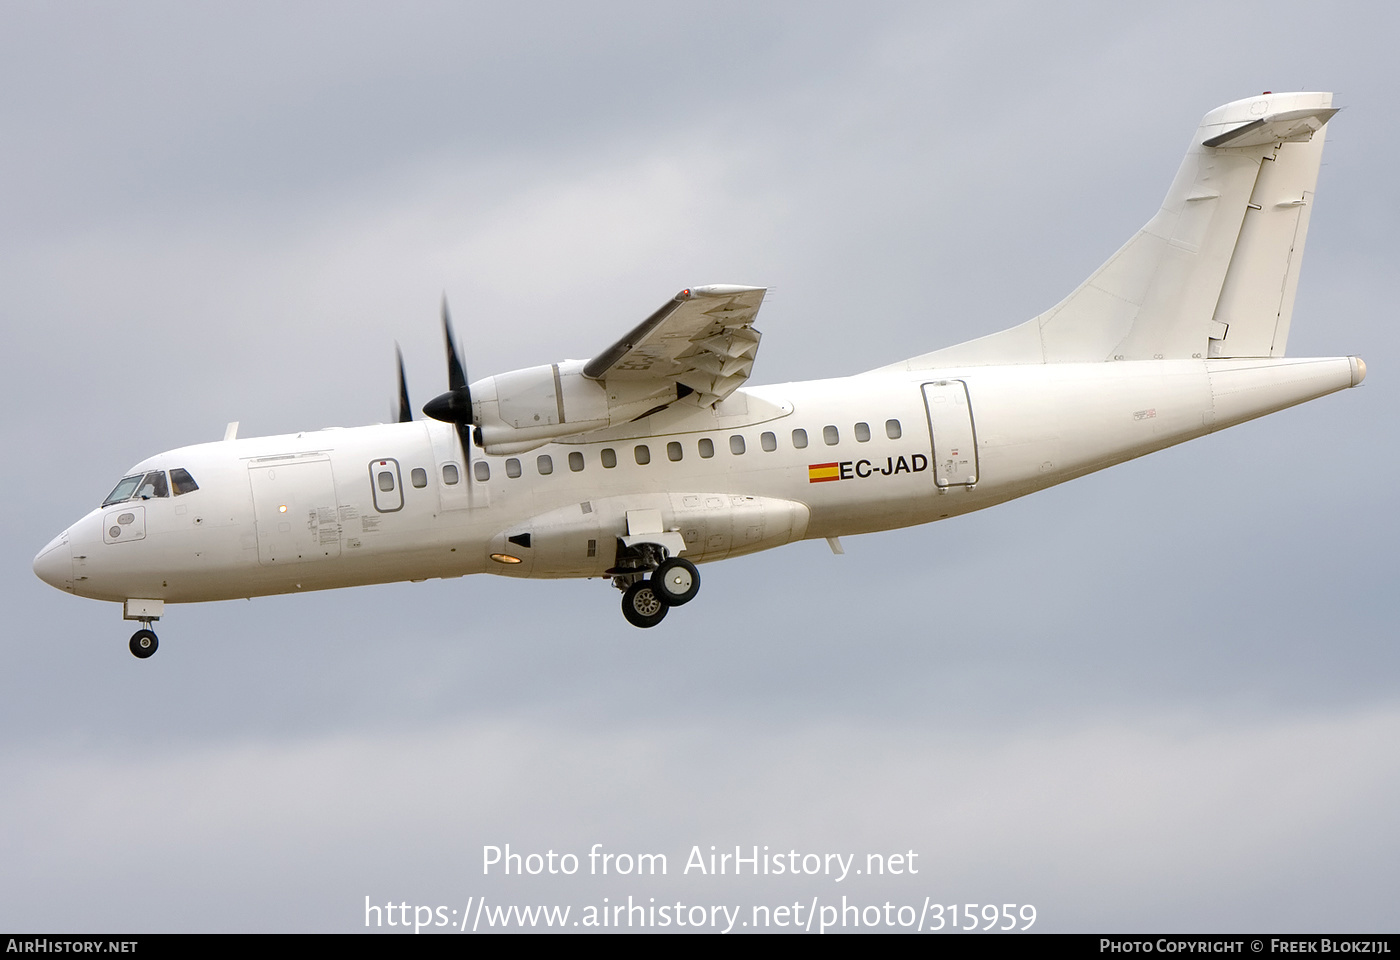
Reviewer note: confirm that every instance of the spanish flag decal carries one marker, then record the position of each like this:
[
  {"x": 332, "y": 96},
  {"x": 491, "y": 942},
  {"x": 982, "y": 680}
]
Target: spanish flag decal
[{"x": 822, "y": 472}]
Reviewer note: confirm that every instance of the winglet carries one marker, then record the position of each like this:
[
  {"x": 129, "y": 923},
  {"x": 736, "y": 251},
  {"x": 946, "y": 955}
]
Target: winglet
[{"x": 231, "y": 431}]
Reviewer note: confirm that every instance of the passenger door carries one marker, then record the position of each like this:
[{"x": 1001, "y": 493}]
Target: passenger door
[{"x": 954, "y": 437}]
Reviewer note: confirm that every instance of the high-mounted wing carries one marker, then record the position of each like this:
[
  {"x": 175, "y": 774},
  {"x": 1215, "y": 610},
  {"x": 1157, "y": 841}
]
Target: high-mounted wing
[{"x": 702, "y": 339}]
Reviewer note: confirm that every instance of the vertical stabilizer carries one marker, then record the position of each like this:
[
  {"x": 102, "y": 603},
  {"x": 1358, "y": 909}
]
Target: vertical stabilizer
[{"x": 1213, "y": 274}]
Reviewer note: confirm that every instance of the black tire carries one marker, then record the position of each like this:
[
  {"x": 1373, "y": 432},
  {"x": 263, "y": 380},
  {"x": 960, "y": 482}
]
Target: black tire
[
  {"x": 675, "y": 581},
  {"x": 143, "y": 644},
  {"x": 641, "y": 606}
]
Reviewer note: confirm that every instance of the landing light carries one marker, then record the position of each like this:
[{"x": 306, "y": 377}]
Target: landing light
[{"x": 504, "y": 558}]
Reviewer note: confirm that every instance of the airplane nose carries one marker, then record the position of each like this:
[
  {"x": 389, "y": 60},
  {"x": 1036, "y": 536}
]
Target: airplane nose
[{"x": 54, "y": 564}]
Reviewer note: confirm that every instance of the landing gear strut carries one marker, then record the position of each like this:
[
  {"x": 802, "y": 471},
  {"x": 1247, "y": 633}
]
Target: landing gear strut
[{"x": 143, "y": 643}]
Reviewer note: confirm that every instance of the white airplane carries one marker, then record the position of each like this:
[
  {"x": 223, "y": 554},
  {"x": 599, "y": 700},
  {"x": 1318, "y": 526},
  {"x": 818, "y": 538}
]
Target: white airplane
[{"x": 652, "y": 456}]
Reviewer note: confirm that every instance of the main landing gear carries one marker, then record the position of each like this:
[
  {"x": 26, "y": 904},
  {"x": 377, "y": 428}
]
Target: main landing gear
[{"x": 645, "y": 601}]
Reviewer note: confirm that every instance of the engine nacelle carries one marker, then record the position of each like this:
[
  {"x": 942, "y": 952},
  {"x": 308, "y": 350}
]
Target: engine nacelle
[{"x": 525, "y": 409}]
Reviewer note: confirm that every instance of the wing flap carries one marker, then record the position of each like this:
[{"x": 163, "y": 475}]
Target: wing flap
[{"x": 702, "y": 339}]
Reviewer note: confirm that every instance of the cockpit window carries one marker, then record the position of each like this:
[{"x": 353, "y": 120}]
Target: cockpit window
[
  {"x": 143, "y": 486},
  {"x": 153, "y": 485},
  {"x": 181, "y": 480},
  {"x": 123, "y": 490}
]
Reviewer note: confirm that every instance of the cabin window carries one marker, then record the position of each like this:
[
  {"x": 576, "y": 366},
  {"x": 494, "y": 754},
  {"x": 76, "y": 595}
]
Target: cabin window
[
  {"x": 643, "y": 454},
  {"x": 481, "y": 468},
  {"x": 450, "y": 476},
  {"x": 862, "y": 432},
  {"x": 575, "y": 461},
  {"x": 544, "y": 463},
  {"x": 181, "y": 480},
  {"x": 384, "y": 484},
  {"x": 609, "y": 457},
  {"x": 799, "y": 439},
  {"x": 892, "y": 429},
  {"x": 707, "y": 447},
  {"x": 768, "y": 441},
  {"x": 513, "y": 468},
  {"x": 673, "y": 451},
  {"x": 736, "y": 444},
  {"x": 418, "y": 477},
  {"x": 831, "y": 435}
]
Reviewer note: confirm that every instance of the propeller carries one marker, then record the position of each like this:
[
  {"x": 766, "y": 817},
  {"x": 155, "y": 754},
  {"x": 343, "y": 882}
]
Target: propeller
[
  {"x": 405, "y": 411},
  {"x": 454, "y": 406}
]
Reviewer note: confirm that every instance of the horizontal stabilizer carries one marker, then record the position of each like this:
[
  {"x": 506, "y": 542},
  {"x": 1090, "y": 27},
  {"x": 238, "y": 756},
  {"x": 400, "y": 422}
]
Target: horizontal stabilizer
[{"x": 1289, "y": 126}]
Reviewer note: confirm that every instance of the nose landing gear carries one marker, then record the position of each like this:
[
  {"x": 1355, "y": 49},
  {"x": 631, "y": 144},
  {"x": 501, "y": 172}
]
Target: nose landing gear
[{"x": 143, "y": 643}]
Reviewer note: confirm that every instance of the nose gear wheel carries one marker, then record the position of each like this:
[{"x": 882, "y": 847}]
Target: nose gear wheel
[{"x": 143, "y": 643}]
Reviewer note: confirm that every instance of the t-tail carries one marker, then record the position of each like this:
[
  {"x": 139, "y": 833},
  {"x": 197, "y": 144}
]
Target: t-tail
[{"x": 1213, "y": 274}]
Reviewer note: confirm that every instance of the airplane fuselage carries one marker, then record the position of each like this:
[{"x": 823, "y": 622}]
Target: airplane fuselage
[
  {"x": 769, "y": 465},
  {"x": 653, "y": 455}
]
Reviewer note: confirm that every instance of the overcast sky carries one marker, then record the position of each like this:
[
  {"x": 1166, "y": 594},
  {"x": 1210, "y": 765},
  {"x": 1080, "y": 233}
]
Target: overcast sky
[{"x": 1159, "y": 698}]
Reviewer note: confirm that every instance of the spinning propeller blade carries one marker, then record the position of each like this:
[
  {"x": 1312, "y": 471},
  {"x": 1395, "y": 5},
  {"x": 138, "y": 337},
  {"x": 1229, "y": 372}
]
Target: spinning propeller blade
[
  {"x": 405, "y": 411},
  {"x": 454, "y": 406}
]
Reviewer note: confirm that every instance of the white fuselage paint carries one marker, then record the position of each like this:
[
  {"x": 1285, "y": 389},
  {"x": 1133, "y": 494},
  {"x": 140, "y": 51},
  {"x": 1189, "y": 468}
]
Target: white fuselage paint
[{"x": 1035, "y": 425}]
